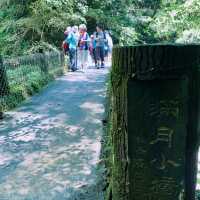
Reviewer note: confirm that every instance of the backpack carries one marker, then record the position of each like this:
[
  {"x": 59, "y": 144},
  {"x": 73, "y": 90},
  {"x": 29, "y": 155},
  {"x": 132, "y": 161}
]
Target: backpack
[
  {"x": 65, "y": 46},
  {"x": 104, "y": 36}
]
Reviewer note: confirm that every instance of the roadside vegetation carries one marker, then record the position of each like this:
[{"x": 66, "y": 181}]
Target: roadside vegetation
[{"x": 29, "y": 26}]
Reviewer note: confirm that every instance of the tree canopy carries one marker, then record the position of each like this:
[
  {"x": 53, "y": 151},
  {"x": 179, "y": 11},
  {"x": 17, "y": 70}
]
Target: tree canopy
[{"x": 29, "y": 25}]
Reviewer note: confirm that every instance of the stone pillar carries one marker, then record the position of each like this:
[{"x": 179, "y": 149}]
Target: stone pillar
[{"x": 155, "y": 121}]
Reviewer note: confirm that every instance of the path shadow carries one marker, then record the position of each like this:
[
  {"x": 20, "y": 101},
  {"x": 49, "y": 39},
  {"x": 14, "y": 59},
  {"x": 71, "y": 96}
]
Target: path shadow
[{"x": 50, "y": 147}]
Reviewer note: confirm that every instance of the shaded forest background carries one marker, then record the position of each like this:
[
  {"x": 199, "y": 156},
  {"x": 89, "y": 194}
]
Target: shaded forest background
[{"x": 27, "y": 26}]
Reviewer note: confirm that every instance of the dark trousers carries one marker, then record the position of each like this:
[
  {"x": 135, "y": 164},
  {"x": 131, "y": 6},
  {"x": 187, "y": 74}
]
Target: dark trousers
[
  {"x": 72, "y": 59},
  {"x": 99, "y": 54},
  {"x": 94, "y": 56}
]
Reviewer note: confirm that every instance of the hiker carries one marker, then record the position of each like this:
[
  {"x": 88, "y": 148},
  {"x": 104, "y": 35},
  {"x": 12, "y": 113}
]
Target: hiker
[
  {"x": 83, "y": 45},
  {"x": 71, "y": 40},
  {"x": 100, "y": 39},
  {"x": 92, "y": 48},
  {"x": 106, "y": 46},
  {"x": 76, "y": 33},
  {"x": 65, "y": 45},
  {"x": 110, "y": 45}
]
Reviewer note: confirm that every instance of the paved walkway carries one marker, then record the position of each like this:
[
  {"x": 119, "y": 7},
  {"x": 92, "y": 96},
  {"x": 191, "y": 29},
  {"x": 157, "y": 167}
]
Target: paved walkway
[{"x": 50, "y": 146}]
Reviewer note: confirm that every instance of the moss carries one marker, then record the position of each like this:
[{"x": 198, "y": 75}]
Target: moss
[{"x": 107, "y": 144}]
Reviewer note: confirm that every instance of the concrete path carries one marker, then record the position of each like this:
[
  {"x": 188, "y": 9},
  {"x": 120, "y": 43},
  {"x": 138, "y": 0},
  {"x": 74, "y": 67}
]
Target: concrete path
[{"x": 50, "y": 146}]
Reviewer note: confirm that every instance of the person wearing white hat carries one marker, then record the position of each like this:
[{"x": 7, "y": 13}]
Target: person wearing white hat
[
  {"x": 72, "y": 42},
  {"x": 76, "y": 33}
]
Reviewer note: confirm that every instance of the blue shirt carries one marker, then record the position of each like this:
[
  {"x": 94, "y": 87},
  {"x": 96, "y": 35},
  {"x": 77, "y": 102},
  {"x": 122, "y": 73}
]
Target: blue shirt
[
  {"x": 71, "y": 40},
  {"x": 94, "y": 44}
]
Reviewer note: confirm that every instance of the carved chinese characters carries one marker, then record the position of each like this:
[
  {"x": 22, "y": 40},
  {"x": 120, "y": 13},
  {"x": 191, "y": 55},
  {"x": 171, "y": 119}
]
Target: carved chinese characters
[{"x": 157, "y": 123}]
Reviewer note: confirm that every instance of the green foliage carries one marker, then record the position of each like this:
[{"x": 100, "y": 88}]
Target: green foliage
[
  {"x": 178, "y": 22},
  {"x": 27, "y": 26},
  {"x": 128, "y": 36},
  {"x": 23, "y": 82},
  {"x": 198, "y": 195},
  {"x": 28, "y": 75}
]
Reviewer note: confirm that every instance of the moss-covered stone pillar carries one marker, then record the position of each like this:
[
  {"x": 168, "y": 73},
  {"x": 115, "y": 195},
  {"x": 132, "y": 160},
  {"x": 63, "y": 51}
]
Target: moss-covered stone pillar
[{"x": 155, "y": 122}]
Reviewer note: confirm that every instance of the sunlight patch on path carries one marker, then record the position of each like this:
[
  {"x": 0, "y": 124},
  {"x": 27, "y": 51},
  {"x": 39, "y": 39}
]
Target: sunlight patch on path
[{"x": 93, "y": 107}]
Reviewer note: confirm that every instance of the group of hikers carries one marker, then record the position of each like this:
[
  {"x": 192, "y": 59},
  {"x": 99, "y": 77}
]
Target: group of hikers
[{"x": 78, "y": 45}]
